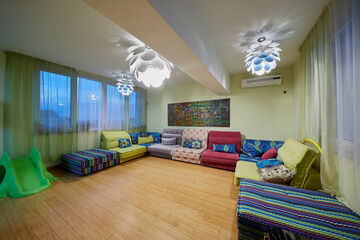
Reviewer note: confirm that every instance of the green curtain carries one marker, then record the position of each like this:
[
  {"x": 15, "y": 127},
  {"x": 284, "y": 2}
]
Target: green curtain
[
  {"x": 19, "y": 104},
  {"x": 21, "y": 110},
  {"x": 59, "y": 110}
]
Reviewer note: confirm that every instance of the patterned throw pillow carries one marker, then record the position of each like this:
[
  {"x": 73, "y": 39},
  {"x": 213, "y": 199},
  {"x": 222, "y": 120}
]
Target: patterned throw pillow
[
  {"x": 276, "y": 174},
  {"x": 271, "y": 162},
  {"x": 252, "y": 150},
  {"x": 124, "y": 143},
  {"x": 192, "y": 144},
  {"x": 228, "y": 148}
]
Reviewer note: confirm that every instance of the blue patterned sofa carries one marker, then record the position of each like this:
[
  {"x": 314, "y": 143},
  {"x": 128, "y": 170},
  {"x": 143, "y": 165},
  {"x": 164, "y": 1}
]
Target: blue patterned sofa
[
  {"x": 156, "y": 136},
  {"x": 246, "y": 166}
]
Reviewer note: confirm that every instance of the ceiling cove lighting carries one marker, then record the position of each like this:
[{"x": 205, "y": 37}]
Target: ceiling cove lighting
[
  {"x": 148, "y": 66},
  {"x": 262, "y": 56},
  {"x": 125, "y": 85}
]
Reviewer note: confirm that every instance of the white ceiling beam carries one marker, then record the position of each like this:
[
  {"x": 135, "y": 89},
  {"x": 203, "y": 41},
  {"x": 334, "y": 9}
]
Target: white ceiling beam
[{"x": 139, "y": 18}]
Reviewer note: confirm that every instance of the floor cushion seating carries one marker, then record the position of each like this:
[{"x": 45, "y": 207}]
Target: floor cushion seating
[
  {"x": 110, "y": 140},
  {"x": 89, "y": 161},
  {"x": 291, "y": 154},
  {"x": 163, "y": 150},
  {"x": 191, "y": 155},
  {"x": 264, "y": 207},
  {"x": 222, "y": 160}
]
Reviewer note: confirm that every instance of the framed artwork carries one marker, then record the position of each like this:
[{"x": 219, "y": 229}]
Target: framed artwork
[{"x": 211, "y": 113}]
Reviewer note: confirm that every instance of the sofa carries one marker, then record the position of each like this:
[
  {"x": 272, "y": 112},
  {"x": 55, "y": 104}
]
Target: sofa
[
  {"x": 192, "y": 155},
  {"x": 297, "y": 157},
  {"x": 135, "y": 138},
  {"x": 163, "y": 149},
  {"x": 110, "y": 140},
  {"x": 222, "y": 160}
]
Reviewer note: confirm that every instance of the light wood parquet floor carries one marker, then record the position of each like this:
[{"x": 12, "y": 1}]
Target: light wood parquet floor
[{"x": 147, "y": 198}]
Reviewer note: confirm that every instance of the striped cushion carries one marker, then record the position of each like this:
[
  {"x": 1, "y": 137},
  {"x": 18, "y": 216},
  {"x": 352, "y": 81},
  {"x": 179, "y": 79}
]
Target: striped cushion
[{"x": 308, "y": 213}]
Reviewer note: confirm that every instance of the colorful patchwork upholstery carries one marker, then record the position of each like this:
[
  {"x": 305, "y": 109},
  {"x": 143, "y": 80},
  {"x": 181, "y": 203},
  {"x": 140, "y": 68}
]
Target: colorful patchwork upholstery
[
  {"x": 306, "y": 213},
  {"x": 156, "y": 136},
  {"x": 134, "y": 136},
  {"x": 246, "y": 158},
  {"x": 191, "y": 154},
  {"x": 85, "y": 162},
  {"x": 222, "y": 160}
]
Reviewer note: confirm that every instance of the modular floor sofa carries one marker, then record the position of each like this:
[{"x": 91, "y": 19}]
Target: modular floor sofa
[
  {"x": 222, "y": 160},
  {"x": 163, "y": 149},
  {"x": 191, "y": 155},
  {"x": 110, "y": 140}
]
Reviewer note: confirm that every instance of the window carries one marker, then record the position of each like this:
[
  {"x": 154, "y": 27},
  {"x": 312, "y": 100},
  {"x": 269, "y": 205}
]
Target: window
[
  {"x": 136, "y": 110},
  {"x": 89, "y": 105},
  {"x": 115, "y": 109},
  {"x": 55, "y": 103}
]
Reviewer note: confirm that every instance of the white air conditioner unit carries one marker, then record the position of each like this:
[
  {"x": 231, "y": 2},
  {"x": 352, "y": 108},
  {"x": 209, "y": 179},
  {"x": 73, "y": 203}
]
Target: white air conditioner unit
[{"x": 273, "y": 80}]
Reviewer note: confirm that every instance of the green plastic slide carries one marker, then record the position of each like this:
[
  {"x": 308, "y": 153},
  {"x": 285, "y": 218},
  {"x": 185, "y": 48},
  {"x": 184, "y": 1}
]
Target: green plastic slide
[{"x": 22, "y": 177}]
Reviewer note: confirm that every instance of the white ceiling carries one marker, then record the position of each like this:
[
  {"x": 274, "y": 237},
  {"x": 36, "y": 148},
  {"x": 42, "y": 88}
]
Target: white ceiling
[{"x": 71, "y": 33}]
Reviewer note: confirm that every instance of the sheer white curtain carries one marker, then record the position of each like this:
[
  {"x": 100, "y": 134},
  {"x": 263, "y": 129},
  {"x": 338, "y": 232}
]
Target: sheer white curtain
[
  {"x": 345, "y": 26},
  {"x": 137, "y": 111},
  {"x": 317, "y": 119},
  {"x": 89, "y": 115}
]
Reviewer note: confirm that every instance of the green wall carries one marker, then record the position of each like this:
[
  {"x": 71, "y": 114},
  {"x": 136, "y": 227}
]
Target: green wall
[
  {"x": 260, "y": 113},
  {"x": 2, "y": 81}
]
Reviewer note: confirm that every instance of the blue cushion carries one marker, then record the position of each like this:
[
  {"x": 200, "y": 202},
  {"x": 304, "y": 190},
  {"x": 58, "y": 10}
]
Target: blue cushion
[
  {"x": 271, "y": 162},
  {"x": 228, "y": 148},
  {"x": 124, "y": 143},
  {"x": 246, "y": 158},
  {"x": 192, "y": 144},
  {"x": 252, "y": 149},
  {"x": 156, "y": 136}
]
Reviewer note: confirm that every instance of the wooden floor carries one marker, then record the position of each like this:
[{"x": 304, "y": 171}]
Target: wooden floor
[{"x": 147, "y": 198}]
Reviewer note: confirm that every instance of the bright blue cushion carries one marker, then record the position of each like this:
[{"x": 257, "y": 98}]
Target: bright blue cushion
[
  {"x": 192, "y": 144},
  {"x": 124, "y": 143},
  {"x": 271, "y": 162},
  {"x": 246, "y": 158},
  {"x": 228, "y": 148},
  {"x": 252, "y": 149}
]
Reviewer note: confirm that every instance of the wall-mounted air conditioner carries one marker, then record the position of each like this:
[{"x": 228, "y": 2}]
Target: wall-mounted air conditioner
[{"x": 273, "y": 80}]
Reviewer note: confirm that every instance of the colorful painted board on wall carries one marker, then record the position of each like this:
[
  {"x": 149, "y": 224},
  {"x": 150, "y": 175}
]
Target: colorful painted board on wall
[{"x": 212, "y": 113}]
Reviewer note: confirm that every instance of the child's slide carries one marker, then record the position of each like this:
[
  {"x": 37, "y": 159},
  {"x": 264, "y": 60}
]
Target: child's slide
[{"x": 22, "y": 177}]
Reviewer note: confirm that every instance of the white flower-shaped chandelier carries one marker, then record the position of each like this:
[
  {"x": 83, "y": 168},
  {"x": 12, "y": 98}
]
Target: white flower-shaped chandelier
[
  {"x": 148, "y": 66},
  {"x": 262, "y": 56},
  {"x": 125, "y": 85}
]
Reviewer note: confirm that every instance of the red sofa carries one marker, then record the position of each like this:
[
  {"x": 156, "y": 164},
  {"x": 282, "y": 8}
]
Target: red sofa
[{"x": 221, "y": 159}]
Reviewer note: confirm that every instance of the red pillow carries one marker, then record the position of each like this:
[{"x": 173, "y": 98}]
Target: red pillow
[{"x": 271, "y": 153}]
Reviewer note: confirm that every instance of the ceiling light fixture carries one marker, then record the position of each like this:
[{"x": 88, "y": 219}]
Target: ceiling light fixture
[
  {"x": 148, "y": 66},
  {"x": 262, "y": 56},
  {"x": 125, "y": 85}
]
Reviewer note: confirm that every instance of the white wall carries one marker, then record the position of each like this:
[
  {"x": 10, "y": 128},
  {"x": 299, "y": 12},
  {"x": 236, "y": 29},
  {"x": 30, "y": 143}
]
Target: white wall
[
  {"x": 2, "y": 82},
  {"x": 260, "y": 113}
]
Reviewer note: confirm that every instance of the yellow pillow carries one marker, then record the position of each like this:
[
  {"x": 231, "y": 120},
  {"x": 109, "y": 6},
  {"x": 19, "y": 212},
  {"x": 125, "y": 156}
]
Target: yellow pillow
[
  {"x": 143, "y": 140},
  {"x": 298, "y": 158}
]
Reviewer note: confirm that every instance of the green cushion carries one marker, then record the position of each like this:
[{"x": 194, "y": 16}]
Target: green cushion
[
  {"x": 129, "y": 151},
  {"x": 246, "y": 170},
  {"x": 110, "y": 139},
  {"x": 312, "y": 181},
  {"x": 298, "y": 158},
  {"x": 144, "y": 140}
]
